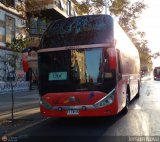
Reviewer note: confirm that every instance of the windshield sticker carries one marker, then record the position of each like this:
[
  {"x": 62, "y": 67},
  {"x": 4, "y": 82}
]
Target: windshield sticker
[
  {"x": 57, "y": 76},
  {"x": 108, "y": 75}
]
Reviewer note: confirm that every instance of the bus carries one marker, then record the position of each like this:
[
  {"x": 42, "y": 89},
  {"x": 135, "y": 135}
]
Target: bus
[
  {"x": 88, "y": 67},
  {"x": 156, "y": 73}
]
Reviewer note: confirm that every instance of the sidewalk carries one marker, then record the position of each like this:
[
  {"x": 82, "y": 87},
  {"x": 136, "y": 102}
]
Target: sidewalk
[
  {"x": 22, "y": 100},
  {"x": 26, "y": 112}
]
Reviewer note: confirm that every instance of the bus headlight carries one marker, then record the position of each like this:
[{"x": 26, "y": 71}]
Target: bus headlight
[
  {"x": 107, "y": 100},
  {"x": 45, "y": 104}
]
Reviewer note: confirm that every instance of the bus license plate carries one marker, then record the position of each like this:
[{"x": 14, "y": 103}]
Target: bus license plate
[{"x": 72, "y": 112}]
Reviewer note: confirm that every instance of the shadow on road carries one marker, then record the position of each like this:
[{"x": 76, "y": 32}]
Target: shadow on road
[{"x": 74, "y": 130}]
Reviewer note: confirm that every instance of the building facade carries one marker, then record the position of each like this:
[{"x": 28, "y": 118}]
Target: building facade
[
  {"x": 12, "y": 24},
  {"x": 52, "y": 10}
]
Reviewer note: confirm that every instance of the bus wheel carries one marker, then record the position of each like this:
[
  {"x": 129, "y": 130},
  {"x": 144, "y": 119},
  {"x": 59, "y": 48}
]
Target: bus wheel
[
  {"x": 125, "y": 109},
  {"x": 138, "y": 93}
]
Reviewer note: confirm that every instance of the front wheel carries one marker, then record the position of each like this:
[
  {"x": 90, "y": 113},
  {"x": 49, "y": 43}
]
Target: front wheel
[
  {"x": 125, "y": 109},
  {"x": 138, "y": 93}
]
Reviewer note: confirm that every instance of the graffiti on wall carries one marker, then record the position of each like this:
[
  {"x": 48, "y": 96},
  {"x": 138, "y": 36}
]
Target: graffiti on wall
[
  {"x": 9, "y": 71},
  {"x": 18, "y": 86}
]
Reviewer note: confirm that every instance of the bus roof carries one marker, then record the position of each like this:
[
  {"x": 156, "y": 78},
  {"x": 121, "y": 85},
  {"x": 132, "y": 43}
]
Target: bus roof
[{"x": 157, "y": 67}]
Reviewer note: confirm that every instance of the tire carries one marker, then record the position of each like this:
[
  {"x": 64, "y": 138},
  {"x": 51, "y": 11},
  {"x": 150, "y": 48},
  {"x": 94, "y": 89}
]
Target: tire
[
  {"x": 138, "y": 93},
  {"x": 125, "y": 109}
]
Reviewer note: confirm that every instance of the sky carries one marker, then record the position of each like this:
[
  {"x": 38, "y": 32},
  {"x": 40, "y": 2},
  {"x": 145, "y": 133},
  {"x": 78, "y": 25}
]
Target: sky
[{"x": 150, "y": 24}]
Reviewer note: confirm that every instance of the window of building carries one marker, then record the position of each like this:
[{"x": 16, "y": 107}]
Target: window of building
[
  {"x": 33, "y": 25},
  {"x": 42, "y": 25},
  {"x": 38, "y": 25},
  {"x": 10, "y": 29}
]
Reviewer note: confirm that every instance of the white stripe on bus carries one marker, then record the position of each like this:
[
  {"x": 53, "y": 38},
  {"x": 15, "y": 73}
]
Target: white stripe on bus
[{"x": 75, "y": 47}]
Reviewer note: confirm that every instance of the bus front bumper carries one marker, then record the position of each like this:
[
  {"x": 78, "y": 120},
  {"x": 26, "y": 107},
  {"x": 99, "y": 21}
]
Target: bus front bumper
[{"x": 84, "y": 112}]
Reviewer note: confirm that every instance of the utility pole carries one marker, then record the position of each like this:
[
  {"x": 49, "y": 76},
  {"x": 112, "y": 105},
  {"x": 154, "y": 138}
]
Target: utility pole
[
  {"x": 69, "y": 8},
  {"x": 106, "y": 7},
  {"x": 107, "y": 3},
  {"x": 88, "y": 1}
]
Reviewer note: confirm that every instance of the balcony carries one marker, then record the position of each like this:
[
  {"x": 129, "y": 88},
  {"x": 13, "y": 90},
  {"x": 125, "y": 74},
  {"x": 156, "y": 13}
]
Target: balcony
[
  {"x": 64, "y": 8},
  {"x": 50, "y": 10}
]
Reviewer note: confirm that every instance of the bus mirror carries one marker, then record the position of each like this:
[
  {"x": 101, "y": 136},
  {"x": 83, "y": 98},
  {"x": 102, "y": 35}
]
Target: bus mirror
[{"x": 112, "y": 58}]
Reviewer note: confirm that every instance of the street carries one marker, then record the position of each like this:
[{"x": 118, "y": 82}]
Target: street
[{"x": 141, "y": 120}]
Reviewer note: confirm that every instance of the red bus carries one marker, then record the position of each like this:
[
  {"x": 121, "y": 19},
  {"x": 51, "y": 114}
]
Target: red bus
[
  {"x": 156, "y": 73},
  {"x": 87, "y": 67}
]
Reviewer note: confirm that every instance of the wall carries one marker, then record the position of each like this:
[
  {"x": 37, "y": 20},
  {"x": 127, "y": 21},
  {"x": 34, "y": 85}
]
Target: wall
[
  {"x": 7, "y": 71},
  {"x": 17, "y": 27}
]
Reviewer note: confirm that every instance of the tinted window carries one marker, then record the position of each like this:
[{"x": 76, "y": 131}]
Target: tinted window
[{"x": 78, "y": 31}]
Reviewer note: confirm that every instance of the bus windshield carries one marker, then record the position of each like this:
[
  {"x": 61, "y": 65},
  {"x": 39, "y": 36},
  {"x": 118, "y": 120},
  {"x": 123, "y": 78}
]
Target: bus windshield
[
  {"x": 81, "y": 30},
  {"x": 76, "y": 70}
]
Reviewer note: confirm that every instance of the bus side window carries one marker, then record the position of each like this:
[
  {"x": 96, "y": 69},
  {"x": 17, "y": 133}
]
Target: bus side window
[{"x": 119, "y": 70}]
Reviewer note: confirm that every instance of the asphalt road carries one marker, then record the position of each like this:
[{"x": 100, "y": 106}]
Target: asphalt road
[{"x": 141, "y": 120}]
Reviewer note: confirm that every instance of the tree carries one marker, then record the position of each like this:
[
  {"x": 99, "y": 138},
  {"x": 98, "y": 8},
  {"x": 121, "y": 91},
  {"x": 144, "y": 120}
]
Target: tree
[
  {"x": 10, "y": 59},
  {"x": 128, "y": 15},
  {"x": 33, "y": 6},
  {"x": 155, "y": 55},
  {"x": 89, "y": 6},
  {"x": 10, "y": 77},
  {"x": 117, "y": 6}
]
